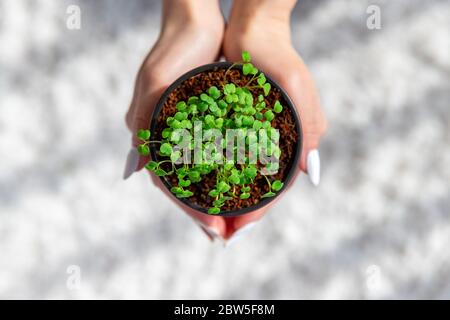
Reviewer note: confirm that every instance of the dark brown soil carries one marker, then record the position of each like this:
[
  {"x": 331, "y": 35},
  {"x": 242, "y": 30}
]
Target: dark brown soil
[{"x": 284, "y": 122}]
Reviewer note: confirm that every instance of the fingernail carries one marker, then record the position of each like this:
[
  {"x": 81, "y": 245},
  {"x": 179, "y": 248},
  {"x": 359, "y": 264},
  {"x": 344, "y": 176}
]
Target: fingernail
[
  {"x": 238, "y": 234},
  {"x": 211, "y": 231},
  {"x": 131, "y": 163},
  {"x": 313, "y": 167}
]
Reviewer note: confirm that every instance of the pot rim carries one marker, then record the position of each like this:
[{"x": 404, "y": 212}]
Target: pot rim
[{"x": 289, "y": 178}]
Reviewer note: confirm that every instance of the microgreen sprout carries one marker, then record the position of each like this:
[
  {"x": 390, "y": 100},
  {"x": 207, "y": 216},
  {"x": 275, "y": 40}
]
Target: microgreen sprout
[{"x": 230, "y": 106}]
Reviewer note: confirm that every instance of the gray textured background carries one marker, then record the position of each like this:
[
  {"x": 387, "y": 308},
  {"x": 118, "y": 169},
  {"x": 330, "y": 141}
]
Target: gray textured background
[{"x": 377, "y": 227}]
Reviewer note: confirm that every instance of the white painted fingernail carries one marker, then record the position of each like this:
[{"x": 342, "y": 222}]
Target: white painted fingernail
[
  {"x": 238, "y": 234},
  {"x": 131, "y": 164},
  {"x": 313, "y": 167}
]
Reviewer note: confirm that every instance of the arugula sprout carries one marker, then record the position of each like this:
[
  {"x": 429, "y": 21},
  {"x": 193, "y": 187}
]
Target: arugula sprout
[{"x": 233, "y": 106}]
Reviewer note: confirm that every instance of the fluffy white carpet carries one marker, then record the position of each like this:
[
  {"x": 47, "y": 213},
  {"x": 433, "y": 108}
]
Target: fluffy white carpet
[{"x": 377, "y": 227}]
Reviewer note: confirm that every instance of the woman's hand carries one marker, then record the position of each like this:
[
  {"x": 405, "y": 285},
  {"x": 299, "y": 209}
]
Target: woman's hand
[
  {"x": 262, "y": 28},
  {"x": 189, "y": 38}
]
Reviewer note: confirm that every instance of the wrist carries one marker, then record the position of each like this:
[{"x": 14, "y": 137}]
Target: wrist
[
  {"x": 253, "y": 10},
  {"x": 190, "y": 12},
  {"x": 252, "y": 16},
  {"x": 260, "y": 19}
]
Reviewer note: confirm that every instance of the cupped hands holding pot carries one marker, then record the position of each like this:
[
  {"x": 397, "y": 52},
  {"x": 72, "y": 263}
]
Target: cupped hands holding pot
[{"x": 193, "y": 33}]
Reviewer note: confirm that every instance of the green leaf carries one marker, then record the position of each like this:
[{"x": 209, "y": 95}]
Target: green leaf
[
  {"x": 261, "y": 79},
  {"x": 238, "y": 122},
  {"x": 185, "y": 183},
  {"x": 175, "y": 156},
  {"x": 244, "y": 196},
  {"x": 269, "y": 115},
  {"x": 214, "y": 210},
  {"x": 266, "y": 88},
  {"x": 229, "y": 165},
  {"x": 213, "y": 193},
  {"x": 223, "y": 187},
  {"x": 234, "y": 179},
  {"x": 222, "y": 104},
  {"x": 218, "y": 203},
  {"x": 266, "y": 125},
  {"x": 229, "y": 88},
  {"x": 181, "y": 172},
  {"x": 219, "y": 123},
  {"x": 161, "y": 173},
  {"x": 185, "y": 194},
  {"x": 274, "y": 134},
  {"x": 192, "y": 109},
  {"x": 194, "y": 176},
  {"x": 193, "y": 100},
  {"x": 247, "y": 68},
  {"x": 214, "y": 107},
  {"x": 188, "y": 193},
  {"x": 143, "y": 134},
  {"x": 175, "y": 136},
  {"x": 143, "y": 150},
  {"x": 181, "y": 106},
  {"x": 261, "y": 105},
  {"x": 250, "y": 110},
  {"x": 176, "y": 190},
  {"x": 204, "y": 97},
  {"x": 186, "y": 124},
  {"x": 229, "y": 98},
  {"x": 175, "y": 124},
  {"x": 248, "y": 120},
  {"x": 181, "y": 115},
  {"x": 151, "y": 165},
  {"x": 203, "y": 106},
  {"x": 169, "y": 120},
  {"x": 246, "y": 56},
  {"x": 165, "y": 149},
  {"x": 166, "y": 133},
  {"x": 245, "y": 189},
  {"x": 277, "y": 152},
  {"x": 277, "y": 185},
  {"x": 277, "y": 107},
  {"x": 249, "y": 100},
  {"x": 257, "y": 125},
  {"x": 268, "y": 194},
  {"x": 214, "y": 92},
  {"x": 250, "y": 172}
]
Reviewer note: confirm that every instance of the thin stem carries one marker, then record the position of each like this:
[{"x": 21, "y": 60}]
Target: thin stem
[
  {"x": 267, "y": 179},
  {"x": 253, "y": 78},
  {"x": 228, "y": 70},
  {"x": 164, "y": 161},
  {"x": 147, "y": 142}
]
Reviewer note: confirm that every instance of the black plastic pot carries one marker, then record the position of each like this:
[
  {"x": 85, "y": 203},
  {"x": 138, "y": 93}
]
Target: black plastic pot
[{"x": 289, "y": 104}]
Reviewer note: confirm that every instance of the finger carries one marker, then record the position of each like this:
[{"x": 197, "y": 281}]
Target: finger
[
  {"x": 301, "y": 88},
  {"x": 210, "y": 236},
  {"x": 236, "y": 224},
  {"x": 214, "y": 225}
]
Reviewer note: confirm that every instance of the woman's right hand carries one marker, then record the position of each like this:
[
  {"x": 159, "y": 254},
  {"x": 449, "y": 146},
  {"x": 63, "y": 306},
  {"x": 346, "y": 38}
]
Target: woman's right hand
[{"x": 262, "y": 28}]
